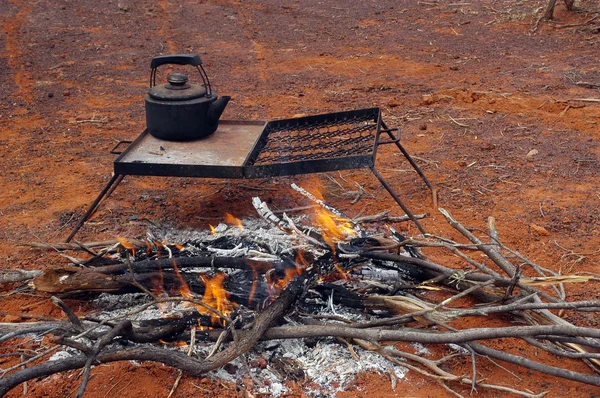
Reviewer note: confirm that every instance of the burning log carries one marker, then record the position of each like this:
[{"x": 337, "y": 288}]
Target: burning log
[{"x": 329, "y": 281}]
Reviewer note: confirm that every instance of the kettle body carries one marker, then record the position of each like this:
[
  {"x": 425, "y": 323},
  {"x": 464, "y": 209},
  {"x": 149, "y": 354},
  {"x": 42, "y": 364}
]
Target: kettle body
[{"x": 177, "y": 110}]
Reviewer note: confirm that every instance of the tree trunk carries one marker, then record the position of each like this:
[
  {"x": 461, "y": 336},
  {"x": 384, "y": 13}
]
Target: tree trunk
[{"x": 549, "y": 14}]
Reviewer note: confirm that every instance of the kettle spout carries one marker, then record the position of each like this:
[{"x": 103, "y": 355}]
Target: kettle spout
[{"x": 216, "y": 109}]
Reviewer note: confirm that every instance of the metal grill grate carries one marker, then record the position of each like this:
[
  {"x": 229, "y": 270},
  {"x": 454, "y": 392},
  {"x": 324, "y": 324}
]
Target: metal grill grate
[{"x": 303, "y": 139}]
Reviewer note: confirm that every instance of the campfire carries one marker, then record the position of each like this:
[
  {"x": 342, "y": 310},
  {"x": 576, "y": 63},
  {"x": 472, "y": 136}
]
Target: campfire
[{"x": 315, "y": 297}]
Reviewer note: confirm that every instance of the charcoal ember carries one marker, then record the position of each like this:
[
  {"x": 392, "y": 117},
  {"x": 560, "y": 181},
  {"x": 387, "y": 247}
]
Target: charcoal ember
[
  {"x": 367, "y": 273},
  {"x": 410, "y": 250},
  {"x": 411, "y": 272},
  {"x": 339, "y": 295},
  {"x": 117, "y": 302},
  {"x": 248, "y": 288},
  {"x": 325, "y": 264},
  {"x": 225, "y": 242},
  {"x": 243, "y": 316},
  {"x": 271, "y": 345},
  {"x": 288, "y": 368},
  {"x": 230, "y": 368},
  {"x": 188, "y": 320},
  {"x": 357, "y": 245}
]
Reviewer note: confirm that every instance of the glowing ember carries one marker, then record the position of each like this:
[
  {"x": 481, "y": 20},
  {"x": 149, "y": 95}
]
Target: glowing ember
[
  {"x": 213, "y": 230},
  {"x": 149, "y": 248},
  {"x": 290, "y": 275},
  {"x": 179, "y": 343},
  {"x": 232, "y": 220},
  {"x": 342, "y": 273}
]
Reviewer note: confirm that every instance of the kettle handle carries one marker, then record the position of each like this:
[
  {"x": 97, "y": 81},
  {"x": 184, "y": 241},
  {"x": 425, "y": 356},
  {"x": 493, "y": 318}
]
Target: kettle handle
[{"x": 180, "y": 59}]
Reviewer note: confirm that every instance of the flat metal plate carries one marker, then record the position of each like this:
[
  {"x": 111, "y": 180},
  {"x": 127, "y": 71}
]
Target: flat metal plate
[{"x": 220, "y": 155}]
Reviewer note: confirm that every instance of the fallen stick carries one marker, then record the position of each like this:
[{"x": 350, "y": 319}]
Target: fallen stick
[
  {"x": 439, "y": 375},
  {"x": 191, "y": 262},
  {"x": 196, "y": 367},
  {"x": 18, "y": 275},
  {"x": 77, "y": 246},
  {"x": 491, "y": 252},
  {"x": 384, "y": 216},
  {"x": 454, "y": 278},
  {"x": 483, "y": 311}
]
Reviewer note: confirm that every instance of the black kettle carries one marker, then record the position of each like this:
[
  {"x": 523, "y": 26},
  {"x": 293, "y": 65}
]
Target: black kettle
[{"x": 177, "y": 110}]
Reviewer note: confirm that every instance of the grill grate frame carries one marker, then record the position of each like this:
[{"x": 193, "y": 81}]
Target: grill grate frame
[
  {"x": 316, "y": 144},
  {"x": 301, "y": 140}
]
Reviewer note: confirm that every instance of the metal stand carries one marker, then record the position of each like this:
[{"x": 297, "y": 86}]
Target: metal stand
[
  {"x": 108, "y": 189},
  {"x": 398, "y": 200},
  {"x": 256, "y": 149},
  {"x": 396, "y": 140}
]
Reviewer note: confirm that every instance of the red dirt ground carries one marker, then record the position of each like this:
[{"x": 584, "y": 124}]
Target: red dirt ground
[{"x": 492, "y": 112}]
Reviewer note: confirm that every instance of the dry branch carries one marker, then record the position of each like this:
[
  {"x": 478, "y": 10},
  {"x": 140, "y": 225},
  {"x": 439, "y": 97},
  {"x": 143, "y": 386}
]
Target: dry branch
[
  {"x": 12, "y": 276},
  {"x": 491, "y": 252}
]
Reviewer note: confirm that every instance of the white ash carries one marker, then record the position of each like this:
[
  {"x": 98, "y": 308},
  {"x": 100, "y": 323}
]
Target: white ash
[
  {"x": 69, "y": 352},
  {"x": 421, "y": 349},
  {"x": 255, "y": 228},
  {"x": 59, "y": 355},
  {"x": 131, "y": 306},
  {"x": 329, "y": 365}
]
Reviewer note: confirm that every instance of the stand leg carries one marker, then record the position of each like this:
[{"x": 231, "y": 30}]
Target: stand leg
[
  {"x": 411, "y": 161},
  {"x": 108, "y": 189},
  {"x": 398, "y": 200},
  {"x": 415, "y": 166}
]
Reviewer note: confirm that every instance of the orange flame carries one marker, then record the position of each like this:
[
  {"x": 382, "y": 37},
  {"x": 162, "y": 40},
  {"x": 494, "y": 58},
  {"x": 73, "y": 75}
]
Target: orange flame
[
  {"x": 215, "y": 296},
  {"x": 232, "y": 220},
  {"x": 159, "y": 291},
  {"x": 254, "y": 284},
  {"x": 290, "y": 275},
  {"x": 184, "y": 290},
  {"x": 213, "y": 230},
  {"x": 127, "y": 245},
  {"x": 333, "y": 229},
  {"x": 341, "y": 272},
  {"x": 148, "y": 248},
  {"x": 178, "y": 343},
  {"x": 275, "y": 284},
  {"x": 301, "y": 262}
]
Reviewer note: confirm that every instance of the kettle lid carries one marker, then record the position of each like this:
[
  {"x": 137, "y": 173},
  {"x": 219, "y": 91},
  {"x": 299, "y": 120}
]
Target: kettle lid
[{"x": 177, "y": 89}]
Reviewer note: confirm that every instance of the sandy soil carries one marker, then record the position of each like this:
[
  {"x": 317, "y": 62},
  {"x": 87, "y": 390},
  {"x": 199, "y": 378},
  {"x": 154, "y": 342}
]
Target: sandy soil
[{"x": 492, "y": 112}]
